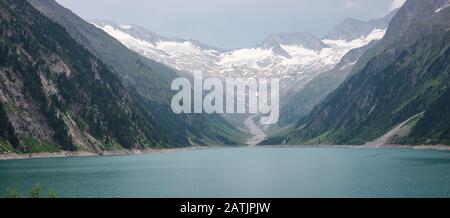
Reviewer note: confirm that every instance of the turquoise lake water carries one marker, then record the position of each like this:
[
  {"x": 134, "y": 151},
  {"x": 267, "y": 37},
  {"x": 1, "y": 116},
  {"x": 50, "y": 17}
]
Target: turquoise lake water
[{"x": 239, "y": 172}]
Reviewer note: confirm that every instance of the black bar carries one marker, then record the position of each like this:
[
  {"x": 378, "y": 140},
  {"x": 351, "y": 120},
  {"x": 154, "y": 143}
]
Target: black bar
[{"x": 173, "y": 207}]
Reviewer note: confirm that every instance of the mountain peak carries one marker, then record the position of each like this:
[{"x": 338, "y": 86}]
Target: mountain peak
[
  {"x": 137, "y": 31},
  {"x": 350, "y": 28},
  {"x": 142, "y": 33},
  {"x": 307, "y": 40}
]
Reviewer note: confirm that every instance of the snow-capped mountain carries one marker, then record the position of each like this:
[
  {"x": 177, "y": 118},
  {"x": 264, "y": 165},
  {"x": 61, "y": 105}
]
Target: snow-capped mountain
[
  {"x": 351, "y": 29},
  {"x": 295, "y": 58},
  {"x": 276, "y": 40},
  {"x": 290, "y": 56}
]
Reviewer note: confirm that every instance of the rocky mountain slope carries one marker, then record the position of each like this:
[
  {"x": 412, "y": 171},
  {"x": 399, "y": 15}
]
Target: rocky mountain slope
[
  {"x": 147, "y": 79},
  {"x": 350, "y": 28},
  {"x": 67, "y": 88},
  {"x": 303, "y": 101},
  {"x": 55, "y": 95},
  {"x": 404, "y": 76}
]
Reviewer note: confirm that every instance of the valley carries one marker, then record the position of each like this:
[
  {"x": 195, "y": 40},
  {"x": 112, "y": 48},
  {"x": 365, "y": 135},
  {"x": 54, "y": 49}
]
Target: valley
[
  {"x": 257, "y": 134},
  {"x": 294, "y": 58}
]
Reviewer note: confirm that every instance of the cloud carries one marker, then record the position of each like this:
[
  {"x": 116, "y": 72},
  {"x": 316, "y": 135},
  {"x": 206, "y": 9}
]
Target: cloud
[
  {"x": 350, "y": 4},
  {"x": 396, "y": 4}
]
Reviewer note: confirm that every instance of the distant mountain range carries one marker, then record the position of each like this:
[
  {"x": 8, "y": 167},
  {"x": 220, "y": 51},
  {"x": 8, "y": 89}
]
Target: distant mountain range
[
  {"x": 295, "y": 58},
  {"x": 398, "y": 91},
  {"x": 351, "y": 29}
]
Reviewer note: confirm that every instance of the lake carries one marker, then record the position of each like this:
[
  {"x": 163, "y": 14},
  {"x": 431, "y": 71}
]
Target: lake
[{"x": 240, "y": 172}]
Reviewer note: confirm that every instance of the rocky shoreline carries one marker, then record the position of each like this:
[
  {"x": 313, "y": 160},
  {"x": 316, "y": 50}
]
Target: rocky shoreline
[
  {"x": 419, "y": 147},
  {"x": 16, "y": 156}
]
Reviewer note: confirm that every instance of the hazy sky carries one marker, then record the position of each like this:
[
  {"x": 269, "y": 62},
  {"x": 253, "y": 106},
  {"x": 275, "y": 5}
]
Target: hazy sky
[{"x": 231, "y": 23}]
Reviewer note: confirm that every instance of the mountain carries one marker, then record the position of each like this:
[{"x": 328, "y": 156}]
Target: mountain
[
  {"x": 277, "y": 40},
  {"x": 148, "y": 36},
  {"x": 146, "y": 78},
  {"x": 307, "y": 40},
  {"x": 350, "y": 29},
  {"x": 289, "y": 56},
  {"x": 303, "y": 101},
  {"x": 295, "y": 58},
  {"x": 56, "y": 95},
  {"x": 402, "y": 83}
]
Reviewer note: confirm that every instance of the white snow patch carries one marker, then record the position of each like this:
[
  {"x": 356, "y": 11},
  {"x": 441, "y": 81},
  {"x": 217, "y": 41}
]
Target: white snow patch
[
  {"x": 245, "y": 56},
  {"x": 376, "y": 34},
  {"x": 126, "y": 39},
  {"x": 443, "y": 7},
  {"x": 125, "y": 27},
  {"x": 176, "y": 46}
]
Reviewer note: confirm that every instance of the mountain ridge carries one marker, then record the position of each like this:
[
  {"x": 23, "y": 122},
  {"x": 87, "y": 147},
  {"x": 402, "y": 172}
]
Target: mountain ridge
[
  {"x": 288, "y": 56},
  {"x": 402, "y": 76},
  {"x": 350, "y": 28}
]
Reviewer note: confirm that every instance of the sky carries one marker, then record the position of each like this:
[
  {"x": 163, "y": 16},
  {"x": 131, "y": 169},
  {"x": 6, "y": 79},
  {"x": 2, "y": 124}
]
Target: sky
[{"x": 231, "y": 23}]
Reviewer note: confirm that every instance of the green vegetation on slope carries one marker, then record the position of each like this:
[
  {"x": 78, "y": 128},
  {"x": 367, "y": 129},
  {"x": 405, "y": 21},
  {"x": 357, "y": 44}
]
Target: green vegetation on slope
[
  {"x": 405, "y": 74},
  {"x": 147, "y": 80},
  {"x": 319, "y": 88},
  {"x": 47, "y": 78}
]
